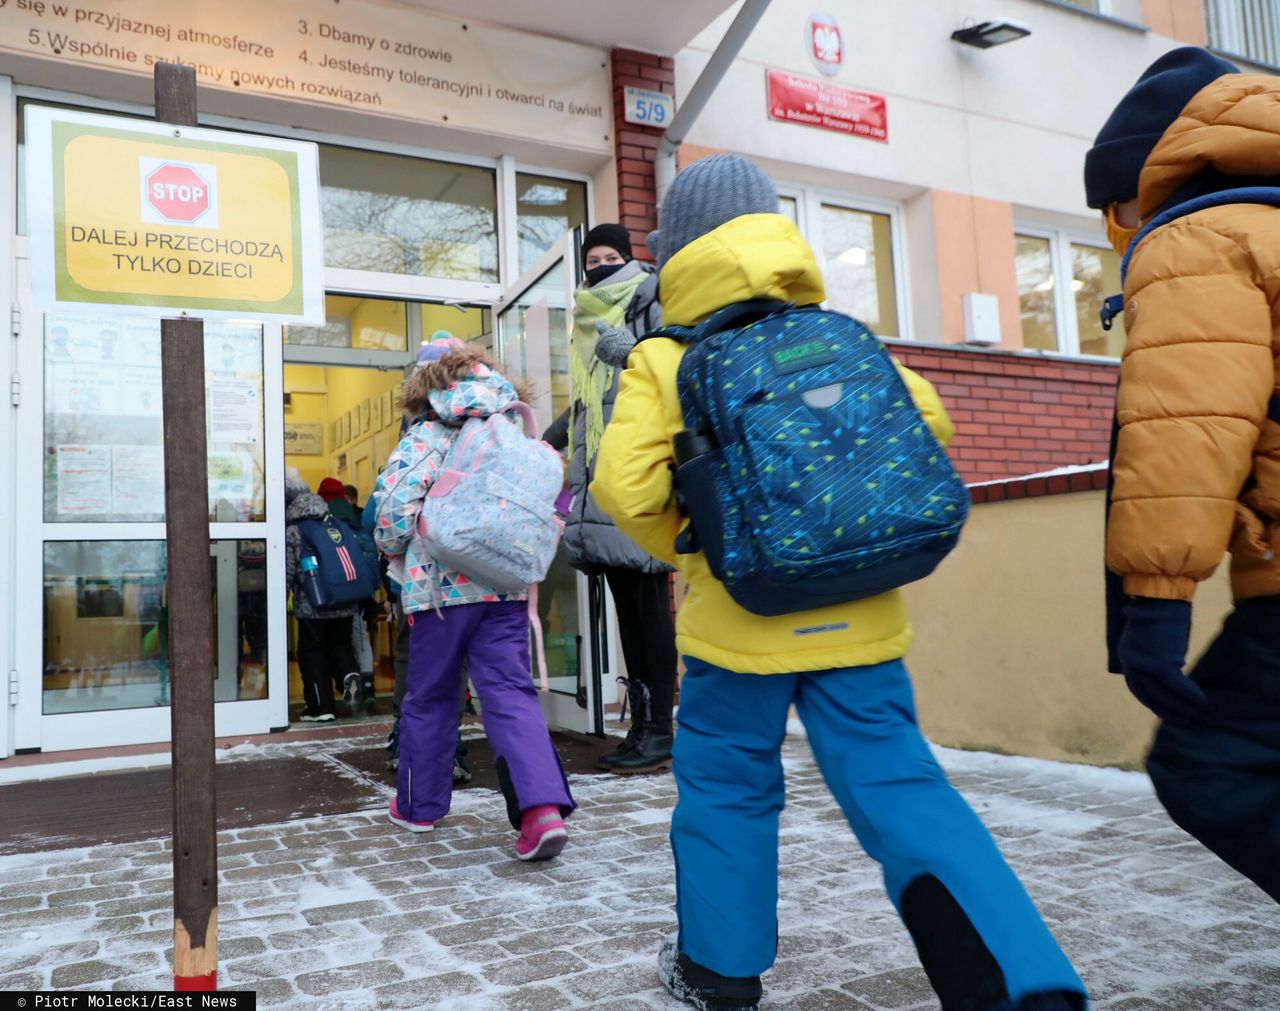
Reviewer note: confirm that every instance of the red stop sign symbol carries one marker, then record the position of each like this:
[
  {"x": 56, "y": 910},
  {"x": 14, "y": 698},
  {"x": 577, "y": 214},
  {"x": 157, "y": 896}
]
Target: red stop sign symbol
[{"x": 178, "y": 193}]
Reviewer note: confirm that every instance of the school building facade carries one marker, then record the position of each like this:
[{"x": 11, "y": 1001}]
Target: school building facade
[{"x": 461, "y": 147}]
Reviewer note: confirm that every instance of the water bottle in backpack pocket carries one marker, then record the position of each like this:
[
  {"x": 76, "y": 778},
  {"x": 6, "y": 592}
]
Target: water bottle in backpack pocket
[
  {"x": 312, "y": 584},
  {"x": 491, "y": 511},
  {"x": 808, "y": 474}
]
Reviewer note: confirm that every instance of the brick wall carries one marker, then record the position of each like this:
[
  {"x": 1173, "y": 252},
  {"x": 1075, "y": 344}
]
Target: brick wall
[
  {"x": 1092, "y": 479},
  {"x": 1016, "y": 414},
  {"x": 637, "y": 146}
]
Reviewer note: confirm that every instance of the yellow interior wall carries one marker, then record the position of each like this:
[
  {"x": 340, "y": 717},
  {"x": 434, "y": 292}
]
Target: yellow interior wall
[
  {"x": 306, "y": 406},
  {"x": 344, "y": 390},
  {"x": 348, "y": 390},
  {"x": 378, "y": 324},
  {"x": 465, "y": 323},
  {"x": 1010, "y": 651},
  {"x": 93, "y": 642}
]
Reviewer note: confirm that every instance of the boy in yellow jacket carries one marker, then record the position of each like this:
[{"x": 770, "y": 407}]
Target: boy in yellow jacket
[{"x": 980, "y": 939}]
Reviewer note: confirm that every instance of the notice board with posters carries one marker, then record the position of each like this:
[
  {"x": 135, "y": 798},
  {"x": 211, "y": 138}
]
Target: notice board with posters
[{"x": 159, "y": 219}]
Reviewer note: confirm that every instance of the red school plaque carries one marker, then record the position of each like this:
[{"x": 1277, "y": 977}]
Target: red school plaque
[{"x": 827, "y": 106}]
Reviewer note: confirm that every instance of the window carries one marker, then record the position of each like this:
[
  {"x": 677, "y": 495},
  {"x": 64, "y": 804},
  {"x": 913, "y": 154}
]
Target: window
[
  {"x": 106, "y": 627},
  {"x": 1247, "y": 28},
  {"x": 858, "y": 266},
  {"x": 857, "y": 250},
  {"x": 1051, "y": 263},
  {"x": 400, "y": 215},
  {"x": 352, "y": 321},
  {"x": 546, "y": 208}
]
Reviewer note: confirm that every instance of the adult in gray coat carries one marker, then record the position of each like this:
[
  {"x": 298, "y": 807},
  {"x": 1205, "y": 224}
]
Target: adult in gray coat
[{"x": 616, "y": 306}]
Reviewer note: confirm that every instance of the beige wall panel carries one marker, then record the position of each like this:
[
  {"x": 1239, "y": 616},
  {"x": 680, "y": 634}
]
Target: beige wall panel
[{"x": 1010, "y": 652}]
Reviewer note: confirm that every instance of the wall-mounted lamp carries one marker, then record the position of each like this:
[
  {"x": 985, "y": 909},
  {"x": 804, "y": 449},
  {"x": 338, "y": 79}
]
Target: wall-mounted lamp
[{"x": 986, "y": 34}]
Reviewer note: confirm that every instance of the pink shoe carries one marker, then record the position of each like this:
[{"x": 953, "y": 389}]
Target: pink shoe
[
  {"x": 412, "y": 826},
  {"x": 542, "y": 833}
]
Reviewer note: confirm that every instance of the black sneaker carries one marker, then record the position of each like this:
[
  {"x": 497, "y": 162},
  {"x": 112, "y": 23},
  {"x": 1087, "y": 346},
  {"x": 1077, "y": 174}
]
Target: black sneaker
[
  {"x": 351, "y": 690},
  {"x": 393, "y": 747},
  {"x": 703, "y": 989}
]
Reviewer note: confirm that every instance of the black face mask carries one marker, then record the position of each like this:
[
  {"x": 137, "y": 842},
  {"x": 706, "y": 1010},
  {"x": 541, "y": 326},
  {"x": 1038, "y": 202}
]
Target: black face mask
[{"x": 601, "y": 273}]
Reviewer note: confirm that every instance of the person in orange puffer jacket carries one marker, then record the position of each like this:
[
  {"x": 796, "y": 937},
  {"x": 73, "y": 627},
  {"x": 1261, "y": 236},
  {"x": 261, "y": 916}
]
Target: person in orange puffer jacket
[{"x": 1196, "y": 455}]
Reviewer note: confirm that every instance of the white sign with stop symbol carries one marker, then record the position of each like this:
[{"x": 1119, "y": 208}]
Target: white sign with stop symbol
[{"x": 178, "y": 192}]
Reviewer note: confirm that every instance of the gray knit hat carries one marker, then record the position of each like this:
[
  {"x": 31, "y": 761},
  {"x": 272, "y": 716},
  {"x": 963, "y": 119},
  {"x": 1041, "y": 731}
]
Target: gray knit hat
[
  {"x": 294, "y": 485},
  {"x": 706, "y": 195}
]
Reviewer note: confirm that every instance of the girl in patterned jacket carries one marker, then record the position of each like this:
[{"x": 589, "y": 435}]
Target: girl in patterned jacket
[{"x": 455, "y": 619}]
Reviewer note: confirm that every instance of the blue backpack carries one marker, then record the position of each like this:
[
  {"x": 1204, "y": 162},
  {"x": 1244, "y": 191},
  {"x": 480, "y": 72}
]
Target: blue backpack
[
  {"x": 808, "y": 474},
  {"x": 346, "y": 576}
]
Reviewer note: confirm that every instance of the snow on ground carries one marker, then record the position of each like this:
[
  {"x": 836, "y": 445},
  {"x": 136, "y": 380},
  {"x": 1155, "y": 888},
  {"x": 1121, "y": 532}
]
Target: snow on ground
[{"x": 349, "y": 912}]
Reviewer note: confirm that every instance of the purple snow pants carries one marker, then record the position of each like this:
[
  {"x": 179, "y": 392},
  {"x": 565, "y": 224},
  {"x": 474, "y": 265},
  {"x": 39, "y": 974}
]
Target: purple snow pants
[{"x": 494, "y": 640}]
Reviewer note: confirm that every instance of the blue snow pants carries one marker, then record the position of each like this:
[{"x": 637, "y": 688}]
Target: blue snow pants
[{"x": 980, "y": 938}]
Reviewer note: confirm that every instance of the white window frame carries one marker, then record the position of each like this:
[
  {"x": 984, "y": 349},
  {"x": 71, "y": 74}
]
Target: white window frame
[
  {"x": 1064, "y": 309},
  {"x": 809, "y": 203}
]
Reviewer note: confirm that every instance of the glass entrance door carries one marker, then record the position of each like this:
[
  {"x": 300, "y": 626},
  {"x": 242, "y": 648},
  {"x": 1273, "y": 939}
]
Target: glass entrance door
[
  {"x": 532, "y": 337},
  {"x": 91, "y": 563}
]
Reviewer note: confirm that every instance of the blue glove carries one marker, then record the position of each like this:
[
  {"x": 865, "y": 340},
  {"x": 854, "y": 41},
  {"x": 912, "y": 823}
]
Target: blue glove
[{"x": 1153, "y": 648}]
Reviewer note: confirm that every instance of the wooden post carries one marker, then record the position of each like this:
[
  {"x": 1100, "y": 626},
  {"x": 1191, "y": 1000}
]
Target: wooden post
[{"x": 191, "y": 660}]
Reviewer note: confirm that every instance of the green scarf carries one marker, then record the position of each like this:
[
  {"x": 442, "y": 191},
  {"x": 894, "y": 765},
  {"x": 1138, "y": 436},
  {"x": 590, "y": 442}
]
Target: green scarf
[{"x": 591, "y": 377}]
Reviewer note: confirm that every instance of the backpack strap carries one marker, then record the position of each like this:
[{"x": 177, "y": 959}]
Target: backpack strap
[
  {"x": 525, "y": 413},
  {"x": 540, "y": 651},
  {"x": 731, "y": 317}
]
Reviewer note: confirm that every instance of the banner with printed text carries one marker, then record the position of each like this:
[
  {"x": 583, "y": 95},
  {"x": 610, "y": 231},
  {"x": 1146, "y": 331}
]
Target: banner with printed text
[
  {"x": 148, "y": 217},
  {"x": 385, "y": 59}
]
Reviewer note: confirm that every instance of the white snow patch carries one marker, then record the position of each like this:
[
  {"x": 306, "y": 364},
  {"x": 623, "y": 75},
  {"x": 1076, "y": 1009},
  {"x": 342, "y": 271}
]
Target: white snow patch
[
  {"x": 650, "y": 816},
  {"x": 1091, "y": 777},
  {"x": 82, "y": 767},
  {"x": 335, "y": 889},
  {"x": 245, "y": 752},
  {"x": 1077, "y": 468}
]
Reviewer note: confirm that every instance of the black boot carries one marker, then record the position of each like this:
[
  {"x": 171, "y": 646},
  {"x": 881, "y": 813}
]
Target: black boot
[
  {"x": 652, "y": 752},
  {"x": 703, "y": 989},
  {"x": 652, "y": 749},
  {"x": 636, "y": 707}
]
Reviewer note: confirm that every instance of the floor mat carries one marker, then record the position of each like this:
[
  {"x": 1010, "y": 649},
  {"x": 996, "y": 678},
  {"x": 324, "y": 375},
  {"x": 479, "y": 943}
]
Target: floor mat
[
  {"x": 331, "y": 778},
  {"x": 125, "y": 806}
]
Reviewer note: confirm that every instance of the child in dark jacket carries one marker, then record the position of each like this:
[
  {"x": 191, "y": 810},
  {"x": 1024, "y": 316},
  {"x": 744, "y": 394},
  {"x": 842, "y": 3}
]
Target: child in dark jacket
[
  {"x": 454, "y": 619},
  {"x": 325, "y": 657},
  {"x": 981, "y": 941},
  {"x": 1186, "y": 172}
]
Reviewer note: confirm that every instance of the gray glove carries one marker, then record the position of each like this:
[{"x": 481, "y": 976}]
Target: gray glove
[{"x": 614, "y": 345}]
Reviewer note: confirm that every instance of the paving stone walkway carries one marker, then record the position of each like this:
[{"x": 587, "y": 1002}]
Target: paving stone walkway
[{"x": 347, "y": 911}]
